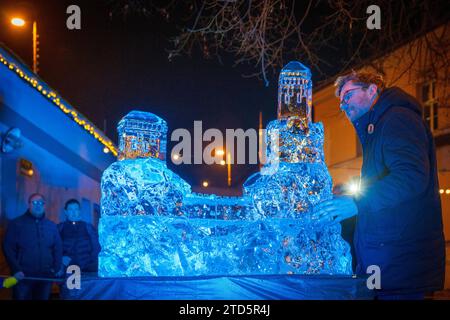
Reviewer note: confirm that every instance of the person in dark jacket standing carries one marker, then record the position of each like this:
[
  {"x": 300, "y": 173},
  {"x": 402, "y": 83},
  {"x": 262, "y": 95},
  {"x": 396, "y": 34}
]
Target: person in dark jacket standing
[
  {"x": 32, "y": 248},
  {"x": 80, "y": 240},
  {"x": 399, "y": 218}
]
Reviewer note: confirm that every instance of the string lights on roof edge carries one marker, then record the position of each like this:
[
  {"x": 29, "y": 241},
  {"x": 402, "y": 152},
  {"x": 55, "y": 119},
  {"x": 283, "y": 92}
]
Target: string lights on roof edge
[{"x": 56, "y": 100}]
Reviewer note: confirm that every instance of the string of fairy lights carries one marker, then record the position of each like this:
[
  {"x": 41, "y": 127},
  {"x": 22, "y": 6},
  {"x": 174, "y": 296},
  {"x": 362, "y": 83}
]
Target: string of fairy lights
[{"x": 53, "y": 97}]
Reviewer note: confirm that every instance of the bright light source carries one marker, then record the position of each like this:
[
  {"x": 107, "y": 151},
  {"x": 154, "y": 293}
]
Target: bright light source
[
  {"x": 18, "y": 22},
  {"x": 447, "y": 191},
  {"x": 105, "y": 150},
  {"x": 175, "y": 157},
  {"x": 441, "y": 191},
  {"x": 353, "y": 187},
  {"x": 222, "y": 162},
  {"x": 220, "y": 152},
  {"x": 205, "y": 184}
]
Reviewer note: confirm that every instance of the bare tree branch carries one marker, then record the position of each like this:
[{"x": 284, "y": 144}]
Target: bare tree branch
[{"x": 328, "y": 35}]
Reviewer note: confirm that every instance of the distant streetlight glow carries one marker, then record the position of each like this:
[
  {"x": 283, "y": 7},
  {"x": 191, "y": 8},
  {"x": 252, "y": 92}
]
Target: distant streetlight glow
[
  {"x": 205, "y": 184},
  {"x": 18, "y": 22},
  {"x": 105, "y": 150},
  {"x": 220, "y": 152},
  {"x": 175, "y": 157},
  {"x": 447, "y": 191},
  {"x": 229, "y": 168},
  {"x": 222, "y": 162}
]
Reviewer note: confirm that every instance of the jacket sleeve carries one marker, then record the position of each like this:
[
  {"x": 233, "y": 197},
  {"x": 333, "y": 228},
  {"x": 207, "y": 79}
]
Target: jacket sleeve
[
  {"x": 94, "y": 241},
  {"x": 10, "y": 247},
  {"x": 57, "y": 250},
  {"x": 405, "y": 148}
]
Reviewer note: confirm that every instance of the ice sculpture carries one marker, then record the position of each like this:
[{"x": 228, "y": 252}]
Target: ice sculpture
[
  {"x": 134, "y": 188},
  {"x": 142, "y": 135},
  {"x": 153, "y": 225},
  {"x": 295, "y": 93}
]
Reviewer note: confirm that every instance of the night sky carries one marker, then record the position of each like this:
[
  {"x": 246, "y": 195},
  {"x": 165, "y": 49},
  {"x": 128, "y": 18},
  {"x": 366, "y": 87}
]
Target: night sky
[{"x": 112, "y": 66}]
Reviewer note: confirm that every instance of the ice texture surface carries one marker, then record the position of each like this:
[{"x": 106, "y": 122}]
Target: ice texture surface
[
  {"x": 153, "y": 225},
  {"x": 141, "y": 187},
  {"x": 287, "y": 141},
  {"x": 181, "y": 246}
]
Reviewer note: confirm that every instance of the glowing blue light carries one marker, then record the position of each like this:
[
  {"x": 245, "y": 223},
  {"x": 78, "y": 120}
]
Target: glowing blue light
[{"x": 353, "y": 188}]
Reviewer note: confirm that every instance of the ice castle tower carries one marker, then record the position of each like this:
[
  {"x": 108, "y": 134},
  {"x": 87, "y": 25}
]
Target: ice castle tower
[
  {"x": 295, "y": 92},
  {"x": 135, "y": 189},
  {"x": 295, "y": 178},
  {"x": 142, "y": 135}
]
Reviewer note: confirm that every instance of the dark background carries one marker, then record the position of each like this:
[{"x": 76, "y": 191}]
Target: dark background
[
  {"x": 117, "y": 63},
  {"x": 114, "y": 65}
]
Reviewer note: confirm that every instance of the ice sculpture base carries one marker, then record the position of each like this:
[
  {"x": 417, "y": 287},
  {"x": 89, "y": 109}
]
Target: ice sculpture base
[
  {"x": 180, "y": 246},
  {"x": 265, "y": 287}
]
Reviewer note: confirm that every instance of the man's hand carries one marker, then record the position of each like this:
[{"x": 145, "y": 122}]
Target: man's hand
[
  {"x": 19, "y": 275},
  {"x": 66, "y": 260},
  {"x": 12, "y": 281},
  {"x": 336, "y": 210},
  {"x": 60, "y": 273}
]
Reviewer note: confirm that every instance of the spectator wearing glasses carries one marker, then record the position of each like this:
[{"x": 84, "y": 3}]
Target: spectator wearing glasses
[
  {"x": 33, "y": 248},
  {"x": 398, "y": 210}
]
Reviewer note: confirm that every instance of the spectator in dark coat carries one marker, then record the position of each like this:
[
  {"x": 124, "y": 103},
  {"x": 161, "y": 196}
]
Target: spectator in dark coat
[
  {"x": 32, "y": 248},
  {"x": 80, "y": 239},
  {"x": 399, "y": 217}
]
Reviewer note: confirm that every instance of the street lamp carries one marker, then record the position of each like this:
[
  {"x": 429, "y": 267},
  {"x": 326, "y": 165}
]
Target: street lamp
[
  {"x": 221, "y": 152},
  {"x": 19, "y": 22},
  {"x": 229, "y": 168}
]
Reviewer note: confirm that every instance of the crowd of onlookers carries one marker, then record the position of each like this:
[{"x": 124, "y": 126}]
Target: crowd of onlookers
[{"x": 37, "y": 250}]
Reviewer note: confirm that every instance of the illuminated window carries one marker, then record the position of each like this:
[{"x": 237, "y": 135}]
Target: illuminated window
[{"x": 430, "y": 104}]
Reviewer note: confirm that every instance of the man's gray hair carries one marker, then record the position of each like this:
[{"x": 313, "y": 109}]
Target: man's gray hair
[
  {"x": 36, "y": 194},
  {"x": 364, "y": 79}
]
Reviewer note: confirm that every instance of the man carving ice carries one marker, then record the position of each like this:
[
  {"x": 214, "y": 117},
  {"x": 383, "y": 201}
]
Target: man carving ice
[{"x": 399, "y": 217}]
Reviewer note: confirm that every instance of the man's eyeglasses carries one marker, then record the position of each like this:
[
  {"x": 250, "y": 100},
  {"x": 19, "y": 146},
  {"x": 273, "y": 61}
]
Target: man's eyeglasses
[
  {"x": 38, "y": 202},
  {"x": 347, "y": 96}
]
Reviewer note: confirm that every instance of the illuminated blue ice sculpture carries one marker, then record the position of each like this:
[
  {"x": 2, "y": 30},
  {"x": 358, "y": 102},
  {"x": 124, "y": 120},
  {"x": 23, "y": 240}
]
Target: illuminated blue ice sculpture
[
  {"x": 134, "y": 189},
  {"x": 153, "y": 225},
  {"x": 295, "y": 178}
]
